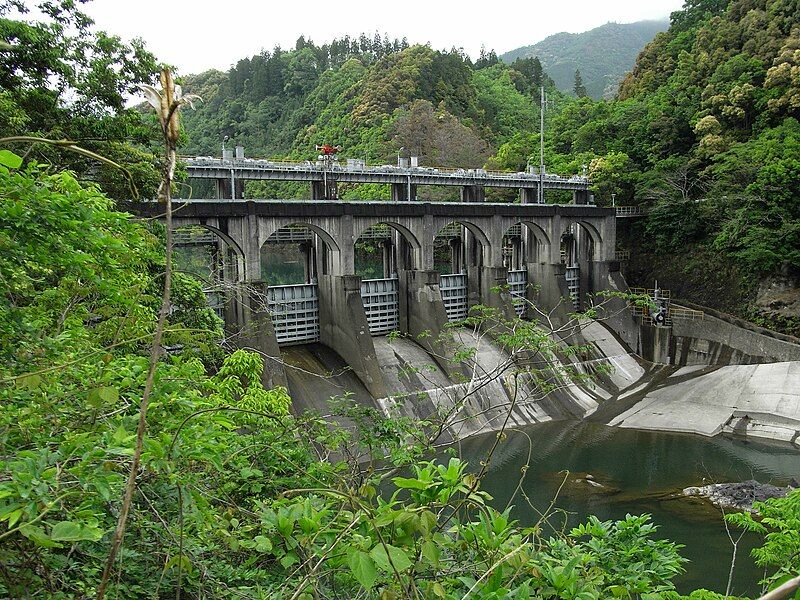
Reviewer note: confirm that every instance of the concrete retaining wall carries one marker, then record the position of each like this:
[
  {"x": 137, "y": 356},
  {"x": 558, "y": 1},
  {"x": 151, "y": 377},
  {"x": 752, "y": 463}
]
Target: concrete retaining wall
[{"x": 713, "y": 340}]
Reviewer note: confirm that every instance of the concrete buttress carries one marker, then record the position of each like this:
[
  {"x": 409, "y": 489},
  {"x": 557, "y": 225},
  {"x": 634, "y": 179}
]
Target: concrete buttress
[
  {"x": 258, "y": 334},
  {"x": 343, "y": 328}
]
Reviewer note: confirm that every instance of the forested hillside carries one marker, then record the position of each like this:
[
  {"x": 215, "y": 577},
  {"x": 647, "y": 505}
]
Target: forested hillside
[
  {"x": 603, "y": 55},
  {"x": 705, "y": 133},
  {"x": 370, "y": 98}
]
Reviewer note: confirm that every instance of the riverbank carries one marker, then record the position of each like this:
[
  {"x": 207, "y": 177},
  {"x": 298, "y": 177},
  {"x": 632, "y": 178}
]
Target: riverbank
[{"x": 586, "y": 468}]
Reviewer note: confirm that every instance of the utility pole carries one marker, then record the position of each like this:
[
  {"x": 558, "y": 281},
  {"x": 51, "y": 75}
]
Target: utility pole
[{"x": 541, "y": 148}]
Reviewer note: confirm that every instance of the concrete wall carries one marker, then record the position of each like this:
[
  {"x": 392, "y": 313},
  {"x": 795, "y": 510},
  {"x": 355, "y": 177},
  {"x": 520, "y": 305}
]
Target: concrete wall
[
  {"x": 424, "y": 319},
  {"x": 343, "y": 328},
  {"x": 257, "y": 333},
  {"x": 713, "y": 340}
]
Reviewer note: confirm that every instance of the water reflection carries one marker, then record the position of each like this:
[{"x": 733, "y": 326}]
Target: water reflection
[{"x": 617, "y": 471}]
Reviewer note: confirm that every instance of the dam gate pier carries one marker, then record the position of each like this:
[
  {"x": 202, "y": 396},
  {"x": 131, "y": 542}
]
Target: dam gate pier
[{"x": 436, "y": 260}]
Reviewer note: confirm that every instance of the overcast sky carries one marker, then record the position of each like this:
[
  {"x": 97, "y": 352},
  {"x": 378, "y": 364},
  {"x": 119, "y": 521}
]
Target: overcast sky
[{"x": 200, "y": 35}]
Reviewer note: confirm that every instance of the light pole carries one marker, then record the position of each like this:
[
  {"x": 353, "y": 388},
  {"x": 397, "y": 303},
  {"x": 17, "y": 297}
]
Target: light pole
[
  {"x": 541, "y": 148},
  {"x": 398, "y": 155}
]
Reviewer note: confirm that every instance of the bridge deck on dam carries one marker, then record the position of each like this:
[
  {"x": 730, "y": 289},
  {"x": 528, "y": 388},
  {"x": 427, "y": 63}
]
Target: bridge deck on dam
[
  {"x": 358, "y": 208},
  {"x": 252, "y": 169},
  {"x": 541, "y": 230}
]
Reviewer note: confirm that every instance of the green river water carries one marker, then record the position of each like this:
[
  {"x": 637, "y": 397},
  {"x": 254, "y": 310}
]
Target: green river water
[{"x": 640, "y": 470}]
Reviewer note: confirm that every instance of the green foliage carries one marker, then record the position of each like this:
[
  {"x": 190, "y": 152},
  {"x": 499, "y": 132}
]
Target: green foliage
[
  {"x": 700, "y": 595},
  {"x": 778, "y": 520},
  {"x": 60, "y": 79},
  {"x": 616, "y": 543},
  {"x": 232, "y": 498}
]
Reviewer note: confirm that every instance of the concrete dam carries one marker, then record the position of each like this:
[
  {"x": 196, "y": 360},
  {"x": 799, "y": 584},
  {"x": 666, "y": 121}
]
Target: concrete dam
[{"x": 366, "y": 303}]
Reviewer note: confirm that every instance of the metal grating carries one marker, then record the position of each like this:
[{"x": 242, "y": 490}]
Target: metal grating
[
  {"x": 291, "y": 234},
  {"x": 622, "y": 255},
  {"x": 377, "y": 232},
  {"x": 451, "y": 230},
  {"x": 295, "y": 313},
  {"x": 514, "y": 230},
  {"x": 381, "y": 304},
  {"x": 517, "y": 282},
  {"x": 573, "y": 277},
  {"x": 454, "y": 296}
]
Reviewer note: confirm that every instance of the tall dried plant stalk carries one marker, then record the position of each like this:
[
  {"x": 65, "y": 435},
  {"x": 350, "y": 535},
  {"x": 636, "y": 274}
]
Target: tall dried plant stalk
[{"x": 167, "y": 103}]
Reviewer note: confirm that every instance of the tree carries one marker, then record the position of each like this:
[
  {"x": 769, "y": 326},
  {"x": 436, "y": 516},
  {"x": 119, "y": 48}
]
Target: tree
[
  {"x": 578, "y": 88},
  {"x": 60, "y": 79},
  {"x": 486, "y": 59},
  {"x": 532, "y": 74},
  {"x": 438, "y": 137}
]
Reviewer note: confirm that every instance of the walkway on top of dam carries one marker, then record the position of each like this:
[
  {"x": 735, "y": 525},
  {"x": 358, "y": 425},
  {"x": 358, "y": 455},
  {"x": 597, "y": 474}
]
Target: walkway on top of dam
[
  {"x": 248, "y": 224},
  {"x": 248, "y": 168}
]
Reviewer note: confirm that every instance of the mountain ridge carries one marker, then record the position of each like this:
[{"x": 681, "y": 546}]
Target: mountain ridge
[{"x": 603, "y": 55}]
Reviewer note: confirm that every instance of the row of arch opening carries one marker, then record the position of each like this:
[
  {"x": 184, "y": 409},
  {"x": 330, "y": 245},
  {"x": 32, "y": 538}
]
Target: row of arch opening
[{"x": 300, "y": 252}]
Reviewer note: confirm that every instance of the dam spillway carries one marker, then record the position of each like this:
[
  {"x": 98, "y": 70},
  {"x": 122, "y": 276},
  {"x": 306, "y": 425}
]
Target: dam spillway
[{"x": 541, "y": 262}]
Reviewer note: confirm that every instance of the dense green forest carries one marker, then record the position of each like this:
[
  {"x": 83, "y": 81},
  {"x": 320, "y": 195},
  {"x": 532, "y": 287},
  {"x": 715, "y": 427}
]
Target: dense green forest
[{"x": 235, "y": 497}]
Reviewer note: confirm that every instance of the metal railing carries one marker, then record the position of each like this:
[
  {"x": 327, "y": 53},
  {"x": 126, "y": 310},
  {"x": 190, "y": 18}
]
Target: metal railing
[
  {"x": 314, "y": 165},
  {"x": 680, "y": 313},
  {"x": 295, "y": 313},
  {"x": 622, "y": 255},
  {"x": 631, "y": 211},
  {"x": 454, "y": 296},
  {"x": 377, "y": 232},
  {"x": 662, "y": 298},
  {"x": 451, "y": 230},
  {"x": 517, "y": 283},
  {"x": 514, "y": 230},
  {"x": 291, "y": 234},
  {"x": 381, "y": 304},
  {"x": 573, "y": 277},
  {"x": 191, "y": 237}
]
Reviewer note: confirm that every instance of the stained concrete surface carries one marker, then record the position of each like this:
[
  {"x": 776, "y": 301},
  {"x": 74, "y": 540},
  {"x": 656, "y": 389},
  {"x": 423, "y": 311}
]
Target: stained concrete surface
[{"x": 762, "y": 400}]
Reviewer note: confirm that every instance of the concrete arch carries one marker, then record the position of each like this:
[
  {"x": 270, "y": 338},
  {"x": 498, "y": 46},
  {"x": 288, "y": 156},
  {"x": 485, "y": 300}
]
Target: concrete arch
[
  {"x": 481, "y": 255},
  {"x": 332, "y": 264},
  {"x": 473, "y": 229},
  {"x": 593, "y": 233},
  {"x": 409, "y": 236},
  {"x": 537, "y": 231},
  {"x": 534, "y": 245},
  {"x": 226, "y": 238},
  {"x": 330, "y": 241}
]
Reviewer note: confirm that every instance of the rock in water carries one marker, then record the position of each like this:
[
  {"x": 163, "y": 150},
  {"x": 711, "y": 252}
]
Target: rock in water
[{"x": 740, "y": 496}]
